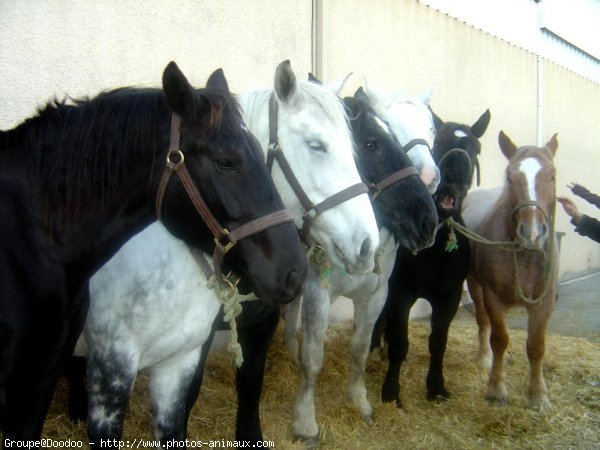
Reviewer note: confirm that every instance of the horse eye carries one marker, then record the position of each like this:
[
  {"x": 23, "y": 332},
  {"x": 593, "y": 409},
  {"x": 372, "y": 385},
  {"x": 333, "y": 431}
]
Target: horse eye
[
  {"x": 317, "y": 146},
  {"x": 224, "y": 164},
  {"x": 371, "y": 144}
]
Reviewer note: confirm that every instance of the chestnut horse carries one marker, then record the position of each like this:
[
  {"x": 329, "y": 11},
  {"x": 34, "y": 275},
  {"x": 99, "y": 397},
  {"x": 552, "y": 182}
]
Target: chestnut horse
[{"x": 521, "y": 212}]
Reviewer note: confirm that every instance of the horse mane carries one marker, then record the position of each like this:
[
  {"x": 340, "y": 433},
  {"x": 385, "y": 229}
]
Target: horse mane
[
  {"x": 330, "y": 105},
  {"x": 89, "y": 154}
]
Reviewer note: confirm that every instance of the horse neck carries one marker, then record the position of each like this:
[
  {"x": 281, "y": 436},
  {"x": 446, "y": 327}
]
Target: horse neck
[{"x": 94, "y": 171}]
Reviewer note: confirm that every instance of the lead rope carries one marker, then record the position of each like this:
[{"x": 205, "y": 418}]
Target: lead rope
[
  {"x": 232, "y": 300},
  {"x": 510, "y": 246}
]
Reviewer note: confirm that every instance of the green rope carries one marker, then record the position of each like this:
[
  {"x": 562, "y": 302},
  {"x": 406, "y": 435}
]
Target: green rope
[
  {"x": 229, "y": 295},
  {"x": 510, "y": 246}
]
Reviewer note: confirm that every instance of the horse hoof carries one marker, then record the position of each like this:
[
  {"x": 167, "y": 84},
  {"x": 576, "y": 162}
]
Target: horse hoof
[
  {"x": 310, "y": 442},
  {"x": 398, "y": 404},
  {"x": 369, "y": 419},
  {"x": 439, "y": 398},
  {"x": 496, "y": 400},
  {"x": 539, "y": 405}
]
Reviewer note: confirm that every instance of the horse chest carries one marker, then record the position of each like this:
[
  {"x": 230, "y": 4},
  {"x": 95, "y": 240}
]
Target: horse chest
[{"x": 436, "y": 268}]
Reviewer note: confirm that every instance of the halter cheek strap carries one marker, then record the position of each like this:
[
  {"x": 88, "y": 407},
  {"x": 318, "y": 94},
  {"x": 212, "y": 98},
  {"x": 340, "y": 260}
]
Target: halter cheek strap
[
  {"x": 176, "y": 164},
  {"x": 275, "y": 152}
]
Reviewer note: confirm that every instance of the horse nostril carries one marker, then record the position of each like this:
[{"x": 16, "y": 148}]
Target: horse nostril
[
  {"x": 293, "y": 282},
  {"x": 366, "y": 248}
]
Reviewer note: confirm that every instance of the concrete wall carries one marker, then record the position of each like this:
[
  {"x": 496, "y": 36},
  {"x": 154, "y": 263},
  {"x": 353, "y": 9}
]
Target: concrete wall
[
  {"x": 54, "y": 47},
  {"x": 402, "y": 45}
]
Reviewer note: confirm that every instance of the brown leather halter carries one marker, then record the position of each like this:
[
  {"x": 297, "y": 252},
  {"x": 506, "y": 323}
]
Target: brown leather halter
[
  {"x": 176, "y": 164},
  {"x": 460, "y": 151},
  {"x": 275, "y": 152}
]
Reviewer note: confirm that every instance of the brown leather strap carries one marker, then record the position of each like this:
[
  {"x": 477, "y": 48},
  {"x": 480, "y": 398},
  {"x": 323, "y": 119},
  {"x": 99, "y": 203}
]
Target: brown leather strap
[
  {"x": 284, "y": 165},
  {"x": 456, "y": 151},
  {"x": 260, "y": 224},
  {"x": 410, "y": 144},
  {"x": 401, "y": 174},
  {"x": 176, "y": 164},
  {"x": 341, "y": 196},
  {"x": 275, "y": 152}
]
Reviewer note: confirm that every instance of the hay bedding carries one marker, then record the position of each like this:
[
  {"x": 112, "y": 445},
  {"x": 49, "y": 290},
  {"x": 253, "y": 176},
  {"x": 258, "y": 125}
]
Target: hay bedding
[{"x": 572, "y": 371}]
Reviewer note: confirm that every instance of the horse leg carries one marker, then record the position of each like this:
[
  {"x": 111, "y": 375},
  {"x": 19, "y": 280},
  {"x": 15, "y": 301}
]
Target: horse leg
[
  {"x": 32, "y": 381},
  {"x": 255, "y": 340},
  {"x": 291, "y": 322},
  {"x": 110, "y": 380},
  {"x": 396, "y": 335},
  {"x": 496, "y": 390},
  {"x": 366, "y": 312},
  {"x": 315, "y": 313},
  {"x": 538, "y": 317},
  {"x": 170, "y": 386},
  {"x": 484, "y": 358},
  {"x": 78, "y": 396},
  {"x": 444, "y": 309}
]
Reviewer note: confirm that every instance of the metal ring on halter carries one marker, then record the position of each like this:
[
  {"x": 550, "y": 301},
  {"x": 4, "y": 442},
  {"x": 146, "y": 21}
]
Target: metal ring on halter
[{"x": 179, "y": 153}]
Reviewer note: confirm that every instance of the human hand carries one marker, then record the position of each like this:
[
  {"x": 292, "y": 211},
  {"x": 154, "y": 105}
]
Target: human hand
[{"x": 570, "y": 208}]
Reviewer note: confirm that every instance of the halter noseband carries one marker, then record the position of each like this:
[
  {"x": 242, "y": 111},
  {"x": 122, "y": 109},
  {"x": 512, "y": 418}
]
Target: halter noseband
[
  {"x": 460, "y": 151},
  {"x": 175, "y": 163},
  {"x": 275, "y": 152}
]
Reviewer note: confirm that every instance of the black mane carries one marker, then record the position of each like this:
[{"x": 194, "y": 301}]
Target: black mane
[{"x": 87, "y": 155}]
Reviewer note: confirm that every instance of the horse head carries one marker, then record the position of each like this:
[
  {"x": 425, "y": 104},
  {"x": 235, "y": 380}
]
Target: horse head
[
  {"x": 404, "y": 207},
  {"x": 455, "y": 151},
  {"x": 225, "y": 161},
  {"x": 411, "y": 121},
  {"x": 313, "y": 134},
  {"x": 531, "y": 189}
]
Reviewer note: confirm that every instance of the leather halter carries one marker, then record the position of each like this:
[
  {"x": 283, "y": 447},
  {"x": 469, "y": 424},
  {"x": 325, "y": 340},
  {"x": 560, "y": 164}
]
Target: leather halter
[
  {"x": 401, "y": 174},
  {"x": 176, "y": 164},
  {"x": 275, "y": 152},
  {"x": 462, "y": 152},
  {"x": 530, "y": 203}
]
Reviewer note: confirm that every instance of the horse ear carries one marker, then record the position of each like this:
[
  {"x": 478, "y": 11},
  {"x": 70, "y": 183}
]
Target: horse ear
[
  {"x": 552, "y": 144},
  {"x": 506, "y": 145},
  {"x": 285, "y": 82},
  {"x": 178, "y": 91},
  {"x": 217, "y": 81},
  {"x": 377, "y": 99},
  {"x": 479, "y": 127},
  {"x": 313, "y": 79},
  {"x": 361, "y": 95},
  {"x": 425, "y": 96},
  {"x": 437, "y": 122},
  {"x": 336, "y": 86}
]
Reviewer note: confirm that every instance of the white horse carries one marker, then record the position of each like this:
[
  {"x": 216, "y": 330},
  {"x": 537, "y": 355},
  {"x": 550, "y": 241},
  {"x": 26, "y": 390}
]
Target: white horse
[
  {"x": 410, "y": 121},
  {"x": 150, "y": 305}
]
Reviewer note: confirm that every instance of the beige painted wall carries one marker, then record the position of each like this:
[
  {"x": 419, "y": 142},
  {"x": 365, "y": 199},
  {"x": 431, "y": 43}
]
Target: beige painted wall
[
  {"x": 402, "y": 45},
  {"x": 53, "y": 47}
]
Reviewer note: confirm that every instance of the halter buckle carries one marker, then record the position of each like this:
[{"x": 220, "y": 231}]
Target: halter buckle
[
  {"x": 274, "y": 146},
  {"x": 227, "y": 246}
]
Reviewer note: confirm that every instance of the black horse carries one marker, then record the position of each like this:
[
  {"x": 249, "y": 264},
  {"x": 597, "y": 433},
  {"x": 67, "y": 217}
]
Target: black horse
[
  {"x": 437, "y": 273},
  {"x": 78, "y": 180}
]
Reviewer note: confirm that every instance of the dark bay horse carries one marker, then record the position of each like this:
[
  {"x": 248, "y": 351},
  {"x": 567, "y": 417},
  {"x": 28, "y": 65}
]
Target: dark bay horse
[
  {"x": 436, "y": 273},
  {"x": 78, "y": 180},
  {"x": 522, "y": 213}
]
